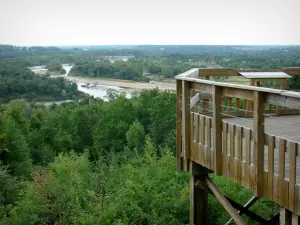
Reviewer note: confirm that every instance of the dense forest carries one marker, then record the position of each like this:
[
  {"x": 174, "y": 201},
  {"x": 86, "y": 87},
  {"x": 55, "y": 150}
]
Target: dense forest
[
  {"x": 19, "y": 82},
  {"x": 107, "y": 162},
  {"x": 98, "y": 163}
]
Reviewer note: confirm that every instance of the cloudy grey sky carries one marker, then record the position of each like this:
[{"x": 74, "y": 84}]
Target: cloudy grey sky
[{"x": 101, "y": 22}]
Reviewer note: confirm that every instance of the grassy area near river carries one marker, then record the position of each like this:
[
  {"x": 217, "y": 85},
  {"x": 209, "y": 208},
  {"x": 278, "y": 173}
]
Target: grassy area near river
[{"x": 128, "y": 85}]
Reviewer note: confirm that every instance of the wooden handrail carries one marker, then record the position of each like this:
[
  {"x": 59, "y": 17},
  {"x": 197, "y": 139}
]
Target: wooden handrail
[{"x": 206, "y": 138}]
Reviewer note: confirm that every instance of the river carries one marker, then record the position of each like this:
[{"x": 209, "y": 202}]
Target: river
[{"x": 97, "y": 91}]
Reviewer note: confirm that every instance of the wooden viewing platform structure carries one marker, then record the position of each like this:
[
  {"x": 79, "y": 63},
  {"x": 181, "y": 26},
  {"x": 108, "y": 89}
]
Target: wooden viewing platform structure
[{"x": 256, "y": 147}]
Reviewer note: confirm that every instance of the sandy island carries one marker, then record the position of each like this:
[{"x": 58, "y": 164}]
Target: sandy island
[{"x": 128, "y": 85}]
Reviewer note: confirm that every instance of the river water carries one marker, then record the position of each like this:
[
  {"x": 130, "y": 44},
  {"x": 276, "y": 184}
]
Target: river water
[{"x": 99, "y": 91}]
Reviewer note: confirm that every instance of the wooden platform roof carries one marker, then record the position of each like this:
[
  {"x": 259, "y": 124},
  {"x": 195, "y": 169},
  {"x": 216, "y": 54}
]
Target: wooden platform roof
[{"x": 264, "y": 75}]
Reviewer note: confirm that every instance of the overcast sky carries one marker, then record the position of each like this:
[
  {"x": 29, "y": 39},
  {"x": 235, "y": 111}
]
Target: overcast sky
[{"x": 106, "y": 22}]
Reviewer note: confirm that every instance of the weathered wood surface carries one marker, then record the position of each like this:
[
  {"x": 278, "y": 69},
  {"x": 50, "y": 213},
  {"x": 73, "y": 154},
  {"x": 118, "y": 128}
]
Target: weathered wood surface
[{"x": 260, "y": 153}]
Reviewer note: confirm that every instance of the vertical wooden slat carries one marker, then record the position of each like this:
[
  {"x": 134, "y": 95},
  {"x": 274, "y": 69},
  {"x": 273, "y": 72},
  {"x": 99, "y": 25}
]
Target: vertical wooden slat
[
  {"x": 232, "y": 147},
  {"x": 229, "y": 104},
  {"x": 295, "y": 219},
  {"x": 271, "y": 146},
  {"x": 275, "y": 188},
  {"x": 179, "y": 124},
  {"x": 202, "y": 140},
  {"x": 212, "y": 158},
  {"x": 266, "y": 182},
  {"x": 239, "y": 156},
  {"x": 282, "y": 87},
  {"x": 248, "y": 156},
  {"x": 281, "y": 166},
  {"x": 186, "y": 123},
  {"x": 285, "y": 217},
  {"x": 292, "y": 176},
  {"x": 297, "y": 199},
  {"x": 217, "y": 128},
  {"x": 238, "y": 104},
  {"x": 259, "y": 134},
  {"x": 225, "y": 145},
  {"x": 208, "y": 142}
]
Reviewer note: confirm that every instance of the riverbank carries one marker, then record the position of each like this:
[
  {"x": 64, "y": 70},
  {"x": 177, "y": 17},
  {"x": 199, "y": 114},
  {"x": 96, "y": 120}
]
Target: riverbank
[{"x": 128, "y": 86}]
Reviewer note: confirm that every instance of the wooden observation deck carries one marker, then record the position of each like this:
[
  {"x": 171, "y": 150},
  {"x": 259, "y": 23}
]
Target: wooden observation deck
[{"x": 238, "y": 131}]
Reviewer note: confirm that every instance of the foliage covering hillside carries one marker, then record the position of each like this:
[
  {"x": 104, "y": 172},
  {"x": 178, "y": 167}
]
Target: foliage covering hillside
[
  {"x": 19, "y": 82},
  {"x": 97, "y": 163}
]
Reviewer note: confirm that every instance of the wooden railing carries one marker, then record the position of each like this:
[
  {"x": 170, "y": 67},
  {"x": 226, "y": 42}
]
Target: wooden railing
[{"x": 260, "y": 161}]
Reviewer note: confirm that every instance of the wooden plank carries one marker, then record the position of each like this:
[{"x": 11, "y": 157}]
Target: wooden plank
[
  {"x": 286, "y": 193},
  {"x": 237, "y": 93},
  {"x": 206, "y": 88},
  {"x": 231, "y": 72},
  {"x": 194, "y": 100},
  {"x": 238, "y": 103},
  {"x": 259, "y": 134},
  {"x": 192, "y": 73},
  {"x": 225, "y": 145},
  {"x": 208, "y": 142},
  {"x": 292, "y": 176},
  {"x": 217, "y": 129},
  {"x": 239, "y": 156},
  {"x": 202, "y": 140},
  {"x": 271, "y": 146},
  {"x": 281, "y": 169},
  {"x": 178, "y": 124},
  {"x": 232, "y": 149},
  {"x": 265, "y": 192},
  {"x": 285, "y": 217},
  {"x": 186, "y": 121},
  {"x": 284, "y": 101},
  {"x": 295, "y": 219},
  {"x": 225, "y": 203},
  {"x": 275, "y": 188},
  {"x": 248, "y": 156},
  {"x": 297, "y": 199},
  {"x": 229, "y": 104}
]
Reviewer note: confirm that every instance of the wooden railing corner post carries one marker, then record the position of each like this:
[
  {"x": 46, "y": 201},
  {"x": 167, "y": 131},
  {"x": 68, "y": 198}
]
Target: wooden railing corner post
[
  {"x": 186, "y": 136},
  {"x": 217, "y": 128},
  {"x": 259, "y": 135},
  {"x": 179, "y": 124}
]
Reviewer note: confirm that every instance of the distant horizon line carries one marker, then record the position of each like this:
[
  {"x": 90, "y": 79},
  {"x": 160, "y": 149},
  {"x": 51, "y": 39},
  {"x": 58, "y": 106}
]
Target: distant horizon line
[{"x": 70, "y": 45}]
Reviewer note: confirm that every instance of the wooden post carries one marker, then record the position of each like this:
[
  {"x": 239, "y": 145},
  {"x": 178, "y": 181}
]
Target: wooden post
[
  {"x": 217, "y": 128},
  {"x": 285, "y": 217},
  {"x": 259, "y": 135},
  {"x": 206, "y": 101},
  {"x": 283, "y": 85},
  {"x": 186, "y": 123},
  {"x": 249, "y": 103},
  {"x": 179, "y": 124},
  {"x": 198, "y": 195}
]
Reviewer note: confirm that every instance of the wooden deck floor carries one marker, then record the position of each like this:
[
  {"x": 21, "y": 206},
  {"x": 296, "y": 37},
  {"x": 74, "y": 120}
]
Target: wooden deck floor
[{"x": 286, "y": 127}]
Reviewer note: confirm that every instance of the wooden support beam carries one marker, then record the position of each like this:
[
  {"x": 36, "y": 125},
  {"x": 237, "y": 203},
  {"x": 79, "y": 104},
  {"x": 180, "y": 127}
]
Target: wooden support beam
[
  {"x": 217, "y": 129},
  {"x": 223, "y": 200},
  {"x": 259, "y": 136},
  {"x": 246, "y": 211},
  {"x": 198, "y": 195},
  {"x": 179, "y": 124},
  {"x": 246, "y": 206},
  {"x": 186, "y": 137}
]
